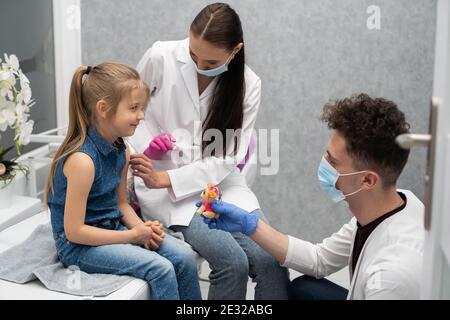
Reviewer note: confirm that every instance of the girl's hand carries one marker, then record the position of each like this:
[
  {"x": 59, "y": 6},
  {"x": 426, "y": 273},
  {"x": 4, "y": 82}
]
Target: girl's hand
[
  {"x": 152, "y": 222},
  {"x": 157, "y": 236},
  {"x": 142, "y": 167},
  {"x": 156, "y": 226},
  {"x": 141, "y": 234}
]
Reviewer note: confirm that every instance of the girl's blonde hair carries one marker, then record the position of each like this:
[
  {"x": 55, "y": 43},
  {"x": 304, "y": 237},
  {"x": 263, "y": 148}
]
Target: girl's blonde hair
[{"x": 108, "y": 81}]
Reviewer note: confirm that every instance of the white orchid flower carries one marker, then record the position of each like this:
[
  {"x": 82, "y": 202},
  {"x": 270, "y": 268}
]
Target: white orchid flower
[
  {"x": 4, "y": 88},
  {"x": 10, "y": 95},
  {"x": 25, "y": 132},
  {"x": 5, "y": 75},
  {"x": 2, "y": 102},
  {"x": 22, "y": 113},
  {"x": 7, "y": 118},
  {"x": 3, "y": 123},
  {"x": 26, "y": 94},
  {"x": 12, "y": 61},
  {"x": 9, "y": 82},
  {"x": 24, "y": 82},
  {"x": 20, "y": 110}
]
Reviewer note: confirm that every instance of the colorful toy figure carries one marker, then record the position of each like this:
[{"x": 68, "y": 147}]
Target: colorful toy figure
[{"x": 208, "y": 196}]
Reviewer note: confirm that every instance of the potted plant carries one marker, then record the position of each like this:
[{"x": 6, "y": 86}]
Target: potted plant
[{"x": 15, "y": 106}]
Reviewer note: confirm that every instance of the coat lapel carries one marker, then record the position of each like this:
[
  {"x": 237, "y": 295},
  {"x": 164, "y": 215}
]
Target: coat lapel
[
  {"x": 188, "y": 73},
  {"x": 351, "y": 271},
  {"x": 354, "y": 274}
]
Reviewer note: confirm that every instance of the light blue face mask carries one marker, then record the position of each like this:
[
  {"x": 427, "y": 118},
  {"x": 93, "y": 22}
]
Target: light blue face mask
[
  {"x": 328, "y": 177},
  {"x": 216, "y": 71}
]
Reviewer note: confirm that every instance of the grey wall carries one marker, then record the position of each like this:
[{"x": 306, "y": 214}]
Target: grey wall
[
  {"x": 30, "y": 38},
  {"x": 305, "y": 52}
]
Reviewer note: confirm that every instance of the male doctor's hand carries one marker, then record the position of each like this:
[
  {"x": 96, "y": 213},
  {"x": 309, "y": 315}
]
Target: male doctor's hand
[
  {"x": 142, "y": 167},
  {"x": 231, "y": 218}
]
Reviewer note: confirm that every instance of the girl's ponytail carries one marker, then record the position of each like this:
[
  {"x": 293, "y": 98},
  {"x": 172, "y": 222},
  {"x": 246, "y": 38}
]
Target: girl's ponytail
[
  {"x": 78, "y": 111},
  {"x": 79, "y": 120}
]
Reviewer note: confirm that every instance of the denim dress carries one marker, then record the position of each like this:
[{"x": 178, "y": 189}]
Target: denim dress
[{"x": 101, "y": 207}]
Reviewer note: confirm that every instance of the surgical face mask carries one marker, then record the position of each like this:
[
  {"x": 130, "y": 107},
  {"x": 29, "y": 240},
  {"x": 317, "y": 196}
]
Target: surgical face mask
[
  {"x": 328, "y": 177},
  {"x": 216, "y": 71}
]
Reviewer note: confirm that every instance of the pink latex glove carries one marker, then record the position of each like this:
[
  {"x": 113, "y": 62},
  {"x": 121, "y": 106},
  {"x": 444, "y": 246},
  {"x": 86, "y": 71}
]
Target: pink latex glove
[{"x": 160, "y": 145}]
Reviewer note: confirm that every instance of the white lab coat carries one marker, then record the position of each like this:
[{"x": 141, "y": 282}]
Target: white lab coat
[
  {"x": 390, "y": 263},
  {"x": 176, "y": 106}
]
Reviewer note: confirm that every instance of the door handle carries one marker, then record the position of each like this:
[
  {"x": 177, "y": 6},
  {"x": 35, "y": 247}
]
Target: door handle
[{"x": 409, "y": 140}]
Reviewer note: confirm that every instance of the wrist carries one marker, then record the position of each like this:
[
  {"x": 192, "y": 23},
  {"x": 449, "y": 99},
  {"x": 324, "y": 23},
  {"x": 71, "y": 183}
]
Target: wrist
[
  {"x": 132, "y": 235},
  {"x": 163, "y": 179},
  {"x": 251, "y": 222},
  {"x": 147, "y": 153}
]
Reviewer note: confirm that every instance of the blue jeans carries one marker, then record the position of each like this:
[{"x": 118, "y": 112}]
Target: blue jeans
[
  {"x": 309, "y": 288},
  {"x": 170, "y": 271},
  {"x": 233, "y": 257}
]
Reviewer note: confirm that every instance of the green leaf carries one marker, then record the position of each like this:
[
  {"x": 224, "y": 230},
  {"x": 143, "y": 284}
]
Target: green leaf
[
  {"x": 8, "y": 163},
  {"x": 3, "y": 152}
]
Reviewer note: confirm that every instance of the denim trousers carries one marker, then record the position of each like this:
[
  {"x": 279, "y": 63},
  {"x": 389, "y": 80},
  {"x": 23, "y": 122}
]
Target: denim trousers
[
  {"x": 170, "y": 271},
  {"x": 233, "y": 257},
  {"x": 309, "y": 288}
]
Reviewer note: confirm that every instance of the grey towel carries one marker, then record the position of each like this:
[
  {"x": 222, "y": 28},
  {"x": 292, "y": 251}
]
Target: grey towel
[{"x": 36, "y": 258}]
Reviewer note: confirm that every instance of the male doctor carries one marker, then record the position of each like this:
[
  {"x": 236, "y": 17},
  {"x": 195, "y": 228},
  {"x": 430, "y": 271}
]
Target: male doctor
[{"x": 383, "y": 242}]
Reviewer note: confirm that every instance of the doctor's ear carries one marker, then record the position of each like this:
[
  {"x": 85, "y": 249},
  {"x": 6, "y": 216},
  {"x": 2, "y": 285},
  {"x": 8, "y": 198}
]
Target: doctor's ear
[
  {"x": 102, "y": 109},
  {"x": 238, "y": 48},
  {"x": 370, "y": 180}
]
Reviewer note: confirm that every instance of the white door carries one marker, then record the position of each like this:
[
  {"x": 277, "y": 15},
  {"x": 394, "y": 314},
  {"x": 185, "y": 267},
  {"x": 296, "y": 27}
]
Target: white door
[{"x": 436, "y": 276}]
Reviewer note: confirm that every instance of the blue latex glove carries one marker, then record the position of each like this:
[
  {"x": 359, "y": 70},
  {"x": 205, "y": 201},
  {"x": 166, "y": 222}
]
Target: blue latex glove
[{"x": 231, "y": 219}]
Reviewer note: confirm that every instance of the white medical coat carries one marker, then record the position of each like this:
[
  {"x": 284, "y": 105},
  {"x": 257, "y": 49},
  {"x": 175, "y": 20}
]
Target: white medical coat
[{"x": 389, "y": 265}]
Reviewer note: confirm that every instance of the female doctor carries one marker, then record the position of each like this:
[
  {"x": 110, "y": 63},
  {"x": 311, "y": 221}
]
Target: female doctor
[{"x": 202, "y": 84}]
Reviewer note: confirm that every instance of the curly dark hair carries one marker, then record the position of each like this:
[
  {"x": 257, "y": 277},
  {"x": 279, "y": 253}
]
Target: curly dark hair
[{"x": 369, "y": 127}]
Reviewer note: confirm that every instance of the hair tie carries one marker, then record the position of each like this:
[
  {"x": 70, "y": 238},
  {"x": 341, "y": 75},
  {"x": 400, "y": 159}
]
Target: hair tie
[{"x": 88, "y": 70}]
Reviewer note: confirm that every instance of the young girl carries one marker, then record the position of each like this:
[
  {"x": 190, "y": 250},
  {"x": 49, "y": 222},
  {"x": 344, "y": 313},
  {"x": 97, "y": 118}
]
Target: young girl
[{"x": 94, "y": 227}]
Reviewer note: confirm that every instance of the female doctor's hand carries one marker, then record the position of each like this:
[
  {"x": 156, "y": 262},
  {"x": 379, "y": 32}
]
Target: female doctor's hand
[
  {"x": 160, "y": 145},
  {"x": 142, "y": 167},
  {"x": 231, "y": 218}
]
